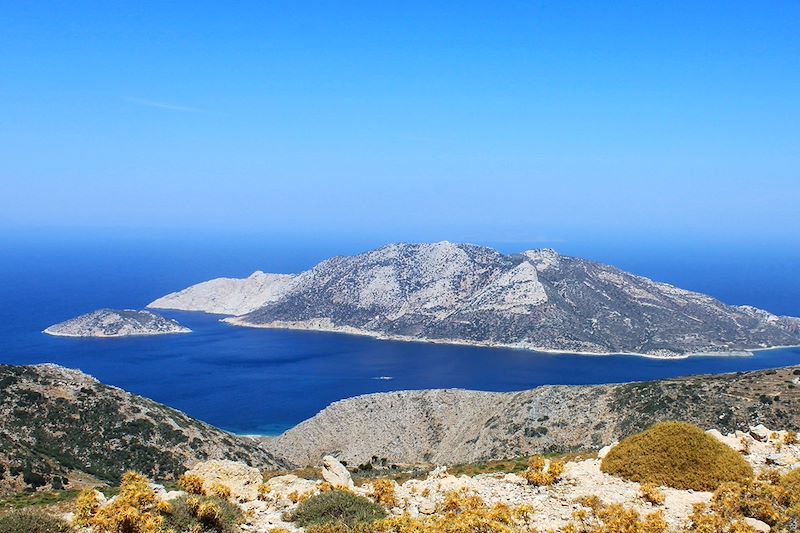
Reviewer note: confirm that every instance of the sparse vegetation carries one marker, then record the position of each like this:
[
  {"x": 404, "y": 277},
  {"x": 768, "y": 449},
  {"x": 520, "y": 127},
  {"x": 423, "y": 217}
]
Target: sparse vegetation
[
  {"x": 614, "y": 518},
  {"x": 203, "y": 514},
  {"x": 263, "y": 491},
  {"x": 461, "y": 513},
  {"x": 32, "y": 521},
  {"x": 137, "y": 510},
  {"x": 536, "y": 474},
  {"x": 383, "y": 493},
  {"x": 336, "y": 506},
  {"x": 676, "y": 454}
]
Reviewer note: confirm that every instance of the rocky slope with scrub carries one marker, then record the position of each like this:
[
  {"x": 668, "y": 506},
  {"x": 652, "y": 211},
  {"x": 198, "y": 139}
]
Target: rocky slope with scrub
[
  {"x": 459, "y": 426},
  {"x": 60, "y": 427}
]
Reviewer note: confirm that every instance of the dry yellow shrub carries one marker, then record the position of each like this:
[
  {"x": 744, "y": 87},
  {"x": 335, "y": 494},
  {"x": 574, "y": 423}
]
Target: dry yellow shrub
[
  {"x": 790, "y": 437},
  {"x": 191, "y": 484},
  {"x": 383, "y": 493},
  {"x": 132, "y": 511},
  {"x": 745, "y": 443},
  {"x": 773, "y": 499},
  {"x": 461, "y": 513},
  {"x": 209, "y": 512},
  {"x": 538, "y": 476},
  {"x": 85, "y": 507},
  {"x": 614, "y": 518},
  {"x": 263, "y": 491},
  {"x": 296, "y": 497},
  {"x": 650, "y": 493},
  {"x": 221, "y": 491}
]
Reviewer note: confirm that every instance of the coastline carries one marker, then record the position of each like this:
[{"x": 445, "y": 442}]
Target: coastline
[{"x": 323, "y": 325}]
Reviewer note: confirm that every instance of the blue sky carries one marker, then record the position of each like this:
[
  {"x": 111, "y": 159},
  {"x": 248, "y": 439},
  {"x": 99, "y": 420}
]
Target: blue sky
[{"x": 471, "y": 121}]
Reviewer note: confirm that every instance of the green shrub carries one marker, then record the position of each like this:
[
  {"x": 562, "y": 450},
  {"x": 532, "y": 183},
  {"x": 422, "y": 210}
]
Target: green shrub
[
  {"x": 30, "y": 521},
  {"x": 678, "y": 455},
  {"x": 337, "y": 506},
  {"x": 202, "y": 513}
]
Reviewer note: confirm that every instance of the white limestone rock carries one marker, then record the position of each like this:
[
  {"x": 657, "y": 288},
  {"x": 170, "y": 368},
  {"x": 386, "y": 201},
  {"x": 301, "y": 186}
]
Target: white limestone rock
[
  {"x": 335, "y": 473},
  {"x": 243, "y": 480}
]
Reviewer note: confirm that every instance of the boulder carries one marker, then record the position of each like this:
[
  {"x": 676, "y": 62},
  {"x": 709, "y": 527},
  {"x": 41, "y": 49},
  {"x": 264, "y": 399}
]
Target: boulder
[
  {"x": 243, "y": 480},
  {"x": 760, "y": 433},
  {"x": 438, "y": 473},
  {"x": 335, "y": 473},
  {"x": 757, "y": 525},
  {"x": 282, "y": 486}
]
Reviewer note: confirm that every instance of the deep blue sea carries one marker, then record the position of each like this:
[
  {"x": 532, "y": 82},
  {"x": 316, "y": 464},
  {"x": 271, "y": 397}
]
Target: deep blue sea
[{"x": 264, "y": 381}]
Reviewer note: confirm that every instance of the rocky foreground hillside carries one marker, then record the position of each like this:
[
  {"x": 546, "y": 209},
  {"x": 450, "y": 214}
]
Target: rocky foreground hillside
[
  {"x": 59, "y": 426},
  {"x": 116, "y": 323},
  {"x": 459, "y": 426},
  {"x": 470, "y": 294}
]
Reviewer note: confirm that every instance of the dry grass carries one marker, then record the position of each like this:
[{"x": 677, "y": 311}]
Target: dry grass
[{"x": 676, "y": 454}]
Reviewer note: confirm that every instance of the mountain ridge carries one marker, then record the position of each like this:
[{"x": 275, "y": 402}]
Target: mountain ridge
[
  {"x": 451, "y": 426},
  {"x": 469, "y": 294}
]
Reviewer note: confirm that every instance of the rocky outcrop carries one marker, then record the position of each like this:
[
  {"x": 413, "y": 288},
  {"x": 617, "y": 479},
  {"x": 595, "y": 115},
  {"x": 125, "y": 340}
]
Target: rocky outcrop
[
  {"x": 458, "y": 426},
  {"x": 116, "y": 323},
  {"x": 461, "y": 293},
  {"x": 59, "y": 427},
  {"x": 242, "y": 480}
]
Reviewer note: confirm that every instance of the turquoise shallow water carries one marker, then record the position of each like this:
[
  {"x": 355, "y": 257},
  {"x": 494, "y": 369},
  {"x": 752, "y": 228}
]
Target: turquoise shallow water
[{"x": 263, "y": 381}]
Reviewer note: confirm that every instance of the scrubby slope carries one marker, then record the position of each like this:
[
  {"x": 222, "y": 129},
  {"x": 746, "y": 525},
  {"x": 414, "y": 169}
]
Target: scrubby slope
[
  {"x": 58, "y": 425},
  {"x": 458, "y": 426}
]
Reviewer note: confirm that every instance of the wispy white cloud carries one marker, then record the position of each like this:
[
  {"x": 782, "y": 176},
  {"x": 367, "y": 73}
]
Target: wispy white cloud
[{"x": 164, "y": 105}]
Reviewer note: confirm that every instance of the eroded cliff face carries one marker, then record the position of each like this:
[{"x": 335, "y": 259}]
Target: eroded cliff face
[
  {"x": 458, "y": 426},
  {"x": 58, "y": 426},
  {"x": 463, "y": 293}
]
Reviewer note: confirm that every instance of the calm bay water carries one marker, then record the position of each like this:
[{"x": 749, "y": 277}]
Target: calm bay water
[{"x": 263, "y": 381}]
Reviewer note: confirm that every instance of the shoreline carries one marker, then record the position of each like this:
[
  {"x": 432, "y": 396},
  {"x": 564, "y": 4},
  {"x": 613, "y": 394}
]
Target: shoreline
[{"x": 348, "y": 330}]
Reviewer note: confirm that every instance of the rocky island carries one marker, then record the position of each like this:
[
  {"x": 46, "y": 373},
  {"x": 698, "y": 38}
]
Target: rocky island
[
  {"x": 462, "y": 293},
  {"x": 116, "y": 323}
]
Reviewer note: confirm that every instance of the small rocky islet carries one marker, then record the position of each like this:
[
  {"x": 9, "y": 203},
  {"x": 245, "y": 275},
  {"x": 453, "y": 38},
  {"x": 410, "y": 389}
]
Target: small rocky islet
[{"x": 104, "y": 323}]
